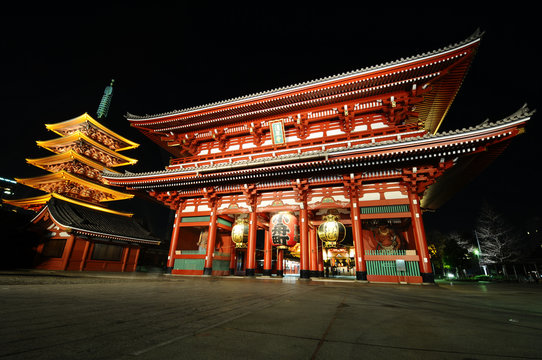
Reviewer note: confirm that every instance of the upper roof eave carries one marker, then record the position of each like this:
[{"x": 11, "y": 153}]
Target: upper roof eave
[
  {"x": 474, "y": 38},
  {"x": 78, "y": 135},
  {"x": 87, "y": 118},
  {"x": 66, "y": 176},
  {"x": 67, "y": 156}
]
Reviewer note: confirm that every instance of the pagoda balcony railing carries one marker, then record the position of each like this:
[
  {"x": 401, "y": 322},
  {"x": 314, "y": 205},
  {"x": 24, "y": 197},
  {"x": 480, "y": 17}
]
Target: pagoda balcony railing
[{"x": 298, "y": 147}]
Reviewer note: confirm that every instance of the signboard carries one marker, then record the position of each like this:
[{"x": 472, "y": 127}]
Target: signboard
[
  {"x": 277, "y": 132},
  {"x": 400, "y": 265}
]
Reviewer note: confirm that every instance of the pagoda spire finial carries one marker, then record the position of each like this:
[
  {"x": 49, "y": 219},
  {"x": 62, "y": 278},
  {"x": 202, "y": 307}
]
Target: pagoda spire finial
[{"x": 103, "y": 108}]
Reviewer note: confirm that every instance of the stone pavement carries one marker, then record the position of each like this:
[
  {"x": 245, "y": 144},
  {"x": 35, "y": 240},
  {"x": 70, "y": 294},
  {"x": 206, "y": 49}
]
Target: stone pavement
[{"x": 70, "y": 315}]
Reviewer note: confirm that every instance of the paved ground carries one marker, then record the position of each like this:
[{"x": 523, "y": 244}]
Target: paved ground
[{"x": 55, "y": 315}]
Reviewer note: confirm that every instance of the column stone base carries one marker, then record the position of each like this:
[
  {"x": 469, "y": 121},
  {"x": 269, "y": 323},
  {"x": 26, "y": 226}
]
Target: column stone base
[
  {"x": 428, "y": 278},
  {"x": 169, "y": 269},
  {"x": 267, "y": 272},
  {"x": 304, "y": 274},
  {"x": 207, "y": 271},
  {"x": 250, "y": 272},
  {"x": 361, "y": 275},
  {"x": 280, "y": 273}
]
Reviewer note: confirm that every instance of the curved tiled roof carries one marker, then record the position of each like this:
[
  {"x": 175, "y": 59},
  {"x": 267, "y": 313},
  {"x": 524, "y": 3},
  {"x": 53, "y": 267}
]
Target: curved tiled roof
[
  {"x": 255, "y": 96},
  {"x": 101, "y": 225}
]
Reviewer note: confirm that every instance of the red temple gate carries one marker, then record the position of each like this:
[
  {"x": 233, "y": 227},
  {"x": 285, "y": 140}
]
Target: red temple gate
[{"x": 362, "y": 145}]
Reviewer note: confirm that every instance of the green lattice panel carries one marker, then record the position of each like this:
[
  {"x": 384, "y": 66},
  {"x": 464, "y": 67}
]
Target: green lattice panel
[
  {"x": 221, "y": 265},
  {"x": 389, "y": 268},
  {"x": 384, "y": 209},
  {"x": 189, "y": 264}
]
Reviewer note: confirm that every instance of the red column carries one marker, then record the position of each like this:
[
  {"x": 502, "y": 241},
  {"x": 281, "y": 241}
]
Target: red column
[
  {"x": 304, "y": 272},
  {"x": 419, "y": 238},
  {"x": 39, "y": 251},
  {"x": 361, "y": 270},
  {"x": 125, "y": 258},
  {"x": 233, "y": 252},
  {"x": 84, "y": 257},
  {"x": 136, "y": 259},
  {"x": 67, "y": 252},
  {"x": 280, "y": 263},
  {"x": 268, "y": 254},
  {"x": 313, "y": 245},
  {"x": 211, "y": 241},
  {"x": 251, "y": 245},
  {"x": 320, "y": 259},
  {"x": 173, "y": 242}
]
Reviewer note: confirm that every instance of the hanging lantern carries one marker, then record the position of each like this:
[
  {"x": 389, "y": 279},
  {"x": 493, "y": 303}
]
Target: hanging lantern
[
  {"x": 239, "y": 233},
  {"x": 331, "y": 232},
  {"x": 284, "y": 230}
]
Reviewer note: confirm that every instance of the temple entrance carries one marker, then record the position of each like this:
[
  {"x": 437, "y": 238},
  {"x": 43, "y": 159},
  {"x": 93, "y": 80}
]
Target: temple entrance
[
  {"x": 240, "y": 263},
  {"x": 339, "y": 260},
  {"x": 291, "y": 267}
]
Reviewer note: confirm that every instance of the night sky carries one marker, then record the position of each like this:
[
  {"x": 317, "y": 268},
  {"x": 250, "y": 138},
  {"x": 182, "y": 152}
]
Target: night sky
[{"x": 56, "y": 64}]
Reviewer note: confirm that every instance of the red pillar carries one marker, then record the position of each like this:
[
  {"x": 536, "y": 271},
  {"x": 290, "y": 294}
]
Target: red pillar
[
  {"x": 233, "y": 252},
  {"x": 280, "y": 262},
  {"x": 313, "y": 245},
  {"x": 211, "y": 241},
  {"x": 251, "y": 245},
  {"x": 84, "y": 257},
  {"x": 268, "y": 254},
  {"x": 419, "y": 238},
  {"x": 361, "y": 270},
  {"x": 174, "y": 241},
  {"x": 137, "y": 250},
  {"x": 320, "y": 259},
  {"x": 67, "y": 252},
  {"x": 125, "y": 258},
  {"x": 304, "y": 272}
]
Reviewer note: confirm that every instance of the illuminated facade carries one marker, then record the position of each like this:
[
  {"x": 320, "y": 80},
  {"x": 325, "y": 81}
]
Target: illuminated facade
[
  {"x": 82, "y": 233},
  {"x": 362, "y": 146}
]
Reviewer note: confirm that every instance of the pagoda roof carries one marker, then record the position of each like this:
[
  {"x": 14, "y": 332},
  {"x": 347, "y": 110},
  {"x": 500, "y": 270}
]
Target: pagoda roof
[
  {"x": 61, "y": 176},
  {"x": 77, "y": 136},
  {"x": 451, "y": 144},
  {"x": 442, "y": 69},
  {"x": 66, "y": 156},
  {"x": 36, "y": 203},
  {"x": 96, "y": 224},
  {"x": 79, "y": 122}
]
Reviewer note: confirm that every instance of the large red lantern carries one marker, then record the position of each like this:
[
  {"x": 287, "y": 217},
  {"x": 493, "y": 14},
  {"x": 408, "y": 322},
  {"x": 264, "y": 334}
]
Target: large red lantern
[{"x": 284, "y": 230}]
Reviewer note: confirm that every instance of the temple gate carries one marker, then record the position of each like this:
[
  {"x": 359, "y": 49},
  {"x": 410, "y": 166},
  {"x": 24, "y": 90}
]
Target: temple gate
[{"x": 362, "y": 147}]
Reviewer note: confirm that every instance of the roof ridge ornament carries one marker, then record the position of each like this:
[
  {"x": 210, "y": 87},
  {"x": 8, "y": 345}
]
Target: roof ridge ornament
[{"x": 103, "y": 108}]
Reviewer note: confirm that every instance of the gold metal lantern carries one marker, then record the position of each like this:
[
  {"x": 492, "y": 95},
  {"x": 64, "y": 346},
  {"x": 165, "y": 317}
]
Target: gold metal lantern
[{"x": 331, "y": 232}]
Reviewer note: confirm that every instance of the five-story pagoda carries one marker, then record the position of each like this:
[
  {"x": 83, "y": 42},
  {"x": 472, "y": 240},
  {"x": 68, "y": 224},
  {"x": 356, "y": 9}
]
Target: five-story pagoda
[{"x": 84, "y": 234}]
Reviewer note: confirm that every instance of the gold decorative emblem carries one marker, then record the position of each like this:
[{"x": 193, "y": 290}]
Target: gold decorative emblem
[{"x": 331, "y": 232}]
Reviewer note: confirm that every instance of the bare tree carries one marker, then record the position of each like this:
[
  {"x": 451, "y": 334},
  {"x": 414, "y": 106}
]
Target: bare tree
[{"x": 499, "y": 243}]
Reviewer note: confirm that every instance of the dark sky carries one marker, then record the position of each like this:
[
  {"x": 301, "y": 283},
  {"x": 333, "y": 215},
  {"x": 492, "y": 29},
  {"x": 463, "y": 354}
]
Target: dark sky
[{"x": 55, "y": 65}]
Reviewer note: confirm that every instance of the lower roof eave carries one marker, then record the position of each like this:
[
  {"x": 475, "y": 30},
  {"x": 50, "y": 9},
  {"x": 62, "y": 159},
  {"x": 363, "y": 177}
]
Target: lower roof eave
[{"x": 109, "y": 237}]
